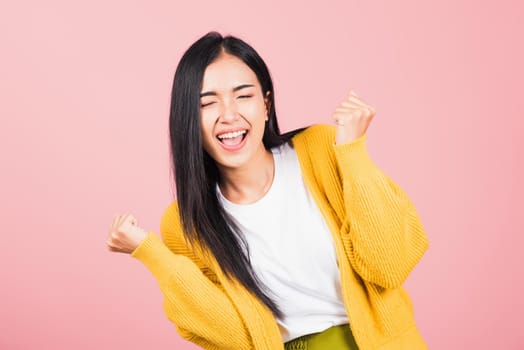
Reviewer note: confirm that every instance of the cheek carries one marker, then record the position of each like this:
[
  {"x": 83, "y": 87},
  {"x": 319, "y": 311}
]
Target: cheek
[
  {"x": 207, "y": 143},
  {"x": 255, "y": 111},
  {"x": 206, "y": 129},
  {"x": 206, "y": 120}
]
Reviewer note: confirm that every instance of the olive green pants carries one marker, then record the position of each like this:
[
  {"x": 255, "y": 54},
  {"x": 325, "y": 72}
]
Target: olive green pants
[{"x": 334, "y": 338}]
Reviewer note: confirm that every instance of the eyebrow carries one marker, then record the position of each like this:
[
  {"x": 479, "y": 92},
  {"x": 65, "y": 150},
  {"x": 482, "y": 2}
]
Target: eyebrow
[{"x": 236, "y": 88}]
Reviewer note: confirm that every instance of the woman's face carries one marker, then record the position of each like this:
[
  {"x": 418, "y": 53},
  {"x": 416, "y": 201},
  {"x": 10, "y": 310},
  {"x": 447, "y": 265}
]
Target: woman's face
[{"x": 233, "y": 112}]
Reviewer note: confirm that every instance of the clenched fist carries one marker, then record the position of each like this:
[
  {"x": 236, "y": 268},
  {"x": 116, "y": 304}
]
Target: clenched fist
[
  {"x": 125, "y": 234},
  {"x": 352, "y": 117}
]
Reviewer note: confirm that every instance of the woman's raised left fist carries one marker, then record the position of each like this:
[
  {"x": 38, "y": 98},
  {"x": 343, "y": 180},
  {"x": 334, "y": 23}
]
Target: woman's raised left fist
[{"x": 352, "y": 117}]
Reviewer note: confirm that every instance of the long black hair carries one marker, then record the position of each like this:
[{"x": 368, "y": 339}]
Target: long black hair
[{"x": 196, "y": 175}]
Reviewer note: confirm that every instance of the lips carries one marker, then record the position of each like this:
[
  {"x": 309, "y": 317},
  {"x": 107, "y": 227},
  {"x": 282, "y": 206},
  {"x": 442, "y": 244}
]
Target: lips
[{"x": 232, "y": 140}]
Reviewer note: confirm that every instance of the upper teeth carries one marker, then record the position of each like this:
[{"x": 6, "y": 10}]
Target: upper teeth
[{"x": 231, "y": 135}]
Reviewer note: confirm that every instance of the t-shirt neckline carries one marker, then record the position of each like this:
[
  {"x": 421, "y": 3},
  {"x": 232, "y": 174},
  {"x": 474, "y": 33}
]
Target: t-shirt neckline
[{"x": 266, "y": 197}]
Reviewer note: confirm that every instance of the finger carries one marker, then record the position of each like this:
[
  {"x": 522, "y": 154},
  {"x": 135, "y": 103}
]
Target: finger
[
  {"x": 357, "y": 101},
  {"x": 364, "y": 108},
  {"x": 122, "y": 220},
  {"x": 115, "y": 221},
  {"x": 353, "y": 95},
  {"x": 351, "y": 104},
  {"x": 348, "y": 110},
  {"x": 362, "y": 103},
  {"x": 349, "y": 113},
  {"x": 110, "y": 244},
  {"x": 339, "y": 121},
  {"x": 130, "y": 219},
  {"x": 342, "y": 118},
  {"x": 133, "y": 220},
  {"x": 371, "y": 109},
  {"x": 355, "y": 114}
]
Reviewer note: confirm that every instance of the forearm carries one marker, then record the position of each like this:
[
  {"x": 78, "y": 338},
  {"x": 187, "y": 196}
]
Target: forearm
[
  {"x": 201, "y": 311},
  {"x": 385, "y": 231}
]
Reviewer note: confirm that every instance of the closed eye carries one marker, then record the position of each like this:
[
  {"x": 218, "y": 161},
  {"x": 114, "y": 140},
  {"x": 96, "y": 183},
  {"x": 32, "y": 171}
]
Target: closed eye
[
  {"x": 206, "y": 104},
  {"x": 245, "y": 96}
]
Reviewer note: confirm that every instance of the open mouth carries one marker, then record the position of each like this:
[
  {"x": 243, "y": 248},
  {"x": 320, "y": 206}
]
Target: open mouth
[{"x": 232, "y": 140}]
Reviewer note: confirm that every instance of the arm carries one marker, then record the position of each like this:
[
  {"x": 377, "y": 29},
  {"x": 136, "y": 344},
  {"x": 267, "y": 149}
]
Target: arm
[
  {"x": 386, "y": 235},
  {"x": 199, "y": 308}
]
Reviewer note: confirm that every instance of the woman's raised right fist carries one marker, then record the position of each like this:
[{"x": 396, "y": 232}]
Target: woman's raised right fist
[{"x": 125, "y": 234}]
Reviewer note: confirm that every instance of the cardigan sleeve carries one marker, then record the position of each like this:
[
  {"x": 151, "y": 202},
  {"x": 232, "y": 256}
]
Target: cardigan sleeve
[
  {"x": 385, "y": 232},
  {"x": 199, "y": 308}
]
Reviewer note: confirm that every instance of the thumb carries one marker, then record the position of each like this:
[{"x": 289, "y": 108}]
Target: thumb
[{"x": 131, "y": 220}]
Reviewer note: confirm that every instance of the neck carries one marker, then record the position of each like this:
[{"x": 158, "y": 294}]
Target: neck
[{"x": 249, "y": 183}]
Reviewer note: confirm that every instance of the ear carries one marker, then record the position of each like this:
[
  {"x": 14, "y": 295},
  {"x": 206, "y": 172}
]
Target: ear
[{"x": 267, "y": 102}]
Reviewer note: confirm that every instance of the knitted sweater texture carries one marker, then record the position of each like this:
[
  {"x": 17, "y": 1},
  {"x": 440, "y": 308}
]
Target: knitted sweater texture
[{"x": 378, "y": 238}]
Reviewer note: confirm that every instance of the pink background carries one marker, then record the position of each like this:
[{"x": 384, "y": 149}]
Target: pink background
[{"x": 84, "y": 92}]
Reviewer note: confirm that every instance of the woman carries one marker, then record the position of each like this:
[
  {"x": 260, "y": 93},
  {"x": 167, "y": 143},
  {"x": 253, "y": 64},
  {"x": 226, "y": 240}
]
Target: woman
[{"x": 276, "y": 240}]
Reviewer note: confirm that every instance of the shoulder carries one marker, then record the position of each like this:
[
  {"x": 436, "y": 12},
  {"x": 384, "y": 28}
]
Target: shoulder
[
  {"x": 315, "y": 141},
  {"x": 170, "y": 218},
  {"x": 171, "y": 229},
  {"x": 314, "y": 134},
  {"x": 174, "y": 238}
]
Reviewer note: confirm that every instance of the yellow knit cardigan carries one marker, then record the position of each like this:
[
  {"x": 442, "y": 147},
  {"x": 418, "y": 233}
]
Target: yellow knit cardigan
[{"x": 378, "y": 237}]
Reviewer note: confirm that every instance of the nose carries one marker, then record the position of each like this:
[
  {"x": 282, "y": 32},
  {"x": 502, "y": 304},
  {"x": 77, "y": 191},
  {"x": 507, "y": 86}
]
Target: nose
[{"x": 229, "y": 111}]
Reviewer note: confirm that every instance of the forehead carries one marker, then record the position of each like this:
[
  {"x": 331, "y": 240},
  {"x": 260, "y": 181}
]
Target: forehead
[{"x": 226, "y": 72}]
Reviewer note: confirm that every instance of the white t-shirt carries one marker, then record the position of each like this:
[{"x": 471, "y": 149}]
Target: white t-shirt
[{"x": 292, "y": 251}]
